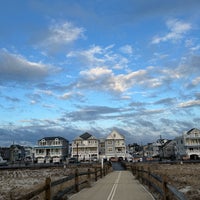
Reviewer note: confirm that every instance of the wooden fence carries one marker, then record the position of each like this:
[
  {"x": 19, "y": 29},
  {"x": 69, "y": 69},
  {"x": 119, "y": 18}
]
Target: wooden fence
[
  {"x": 73, "y": 183},
  {"x": 158, "y": 183}
]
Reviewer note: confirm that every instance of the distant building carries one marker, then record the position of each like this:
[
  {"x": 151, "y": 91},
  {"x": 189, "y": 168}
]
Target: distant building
[
  {"x": 17, "y": 153},
  {"x": 169, "y": 149},
  {"x": 51, "y": 149},
  {"x": 85, "y": 147},
  {"x": 155, "y": 149},
  {"x": 115, "y": 146},
  {"x": 148, "y": 151},
  {"x": 5, "y": 153},
  {"x": 188, "y": 145},
  {"x": 29, "y": 153}
]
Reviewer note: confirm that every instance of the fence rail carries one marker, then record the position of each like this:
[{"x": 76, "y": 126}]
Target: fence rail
[
  {"x": 74, "y": 180},
  {"x": 158, "y": 183}
]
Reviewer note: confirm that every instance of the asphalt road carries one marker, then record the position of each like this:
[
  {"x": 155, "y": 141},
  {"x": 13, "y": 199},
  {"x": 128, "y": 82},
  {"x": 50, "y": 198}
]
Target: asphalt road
[{"x": 118, "y": 185}]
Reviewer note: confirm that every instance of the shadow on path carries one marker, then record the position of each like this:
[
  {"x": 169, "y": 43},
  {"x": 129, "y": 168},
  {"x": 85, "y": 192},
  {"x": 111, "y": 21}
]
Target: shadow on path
[{"x": 117, "y": 166}]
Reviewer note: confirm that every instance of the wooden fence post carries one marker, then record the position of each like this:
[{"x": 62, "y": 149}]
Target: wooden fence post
[
  {"x": 95, "y": 172},
  {"x": 136, "y": 172},
  {"x": 104, "y": 171},
  {"x": 149, "y": 178},
  {"x": 132, "y": 169},
  {"x": 139, "y": 173},
  {"x": 101, "y": 172},
  {"x": 89, "y": 177},
  {"x": 164, "y": 187},
  {"x": 142, "y": 174},
  {"x": 76, "y": 180},
  {"x": 48, "y": 189}
]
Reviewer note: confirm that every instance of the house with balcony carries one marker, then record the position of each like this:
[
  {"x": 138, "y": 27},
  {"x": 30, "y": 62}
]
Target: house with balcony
[
  {"x": 51, "y": 149},
  {"x": 188, "y": 145},
  {"x": 85, "y": 147},
  {"x": 115, "y": 146}
]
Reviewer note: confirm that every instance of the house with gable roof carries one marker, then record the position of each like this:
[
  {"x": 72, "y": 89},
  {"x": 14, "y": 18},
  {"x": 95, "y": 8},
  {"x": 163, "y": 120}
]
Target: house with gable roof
[
  {"x": 85, "y": 147},
  {"x": 188, "y": 145},
  {"x": 115, "y": 146},
  {"x": 51, "y": 149}
]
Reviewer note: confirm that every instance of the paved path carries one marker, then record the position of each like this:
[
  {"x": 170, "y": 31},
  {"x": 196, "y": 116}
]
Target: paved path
[{"x": 118, "y": 185}]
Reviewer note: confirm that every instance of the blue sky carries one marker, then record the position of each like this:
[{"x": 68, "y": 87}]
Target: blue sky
[{"x": 67, "y": 67}]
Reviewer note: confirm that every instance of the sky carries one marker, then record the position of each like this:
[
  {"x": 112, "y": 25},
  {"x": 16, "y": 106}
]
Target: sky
[{"x": 69, "y": 66}]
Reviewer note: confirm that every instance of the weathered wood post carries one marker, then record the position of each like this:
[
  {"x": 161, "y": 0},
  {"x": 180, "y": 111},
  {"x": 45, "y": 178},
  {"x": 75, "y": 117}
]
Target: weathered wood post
[
  {"x": 104, "y": 171},
  {"x": 149, "y": 178},
  {"x": 142, "y": 174},
  {"x": 95, "y": 172},
  {"x": 89, "y": 177},
  {"x": 164, "y": 187},
  {"x": 136, "y": 172},
  {"x": 76, "y": 180},
  {"x": 101, "y": 172},
  {"x": 132, "y": 169},
  {"x": 48, "y": 189}
]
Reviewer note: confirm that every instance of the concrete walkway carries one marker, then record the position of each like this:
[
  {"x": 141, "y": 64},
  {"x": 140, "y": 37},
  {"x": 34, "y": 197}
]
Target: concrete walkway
[{"x": 118, "y": 185}]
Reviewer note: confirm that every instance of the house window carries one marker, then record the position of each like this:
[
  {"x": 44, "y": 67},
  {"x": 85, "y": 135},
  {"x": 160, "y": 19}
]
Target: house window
[
  {"x": 57, "y": 141},
  {"x": 40, "y": 151},
  {"x": 110, "y": 149},
  {"x": 43, "y": 142},
  {"x": 110, "y": 142},
  {"x": 119, "y": 150}
]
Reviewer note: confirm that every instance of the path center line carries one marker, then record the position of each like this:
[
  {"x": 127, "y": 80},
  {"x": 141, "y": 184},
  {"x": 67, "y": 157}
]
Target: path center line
[{"x": 114, "y": 188}]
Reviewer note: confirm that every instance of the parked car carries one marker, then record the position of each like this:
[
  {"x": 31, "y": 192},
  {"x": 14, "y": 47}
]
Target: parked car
[
  {"x": 72, "y": 160},
  {"x": 94, "y": 159},
  {"x": 3, "y": 162},
  {"x": 113, "y": 159}
]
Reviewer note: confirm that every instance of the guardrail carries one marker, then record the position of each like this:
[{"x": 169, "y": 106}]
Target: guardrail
[
  {"x": 72, "y": 183},
  {"x": 158, "y": 183}
]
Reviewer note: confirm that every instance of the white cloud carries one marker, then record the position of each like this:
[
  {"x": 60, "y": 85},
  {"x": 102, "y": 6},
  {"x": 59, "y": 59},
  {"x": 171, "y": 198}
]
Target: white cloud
[
  {"x": 105, "y": 79},
  {"x": 190, "y": 103},
  {"x": 177, "y": 30},
  {"x": 196, "y": 81},
  {"x": 60, "y": 34},
  {"x": 65, "y": 96},
  {"x": 97, "y": 56},
  {"x": 127, "y": 49},
  {"x": 33, "y": 102},
  {"x": 46, "y": 92},
  {"x": 15, "y": 67},
  {"x": 96, "y": 73}
]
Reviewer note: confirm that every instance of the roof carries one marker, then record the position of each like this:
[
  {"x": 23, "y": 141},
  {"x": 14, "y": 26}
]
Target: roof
[
  {"x": 115, "y": 135},
  {"x": 53, "y": 138},
  {"x": 193, "y": 130},
  {"x": 85, "y": 136}
]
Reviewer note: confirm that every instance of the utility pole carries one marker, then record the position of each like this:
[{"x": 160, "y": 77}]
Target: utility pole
[
  {"x": 77, "y": 151},
  {"x": 161, "y": 146}
]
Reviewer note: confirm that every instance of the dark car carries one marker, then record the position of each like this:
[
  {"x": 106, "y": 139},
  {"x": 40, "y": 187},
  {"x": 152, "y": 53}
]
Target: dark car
[{"x": 73, "y": 160}]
